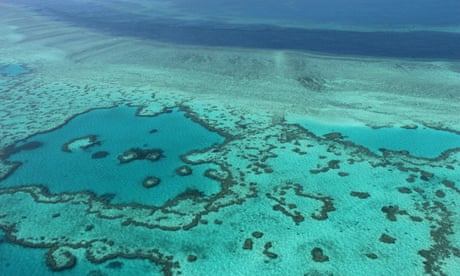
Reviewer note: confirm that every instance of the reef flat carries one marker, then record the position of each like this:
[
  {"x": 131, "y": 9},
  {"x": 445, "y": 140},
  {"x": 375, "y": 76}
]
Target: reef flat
[{"x": 290, "y": 200}]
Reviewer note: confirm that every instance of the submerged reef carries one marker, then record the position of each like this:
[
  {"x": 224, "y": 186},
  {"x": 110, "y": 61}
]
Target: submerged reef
[
  {"x": 81, "y": 143},
  {"x": 140, "y": 154},
  {"x": 256, "y": 192},
  {"x": 150, "y": 182},
  {"x": 184, "y": 171},
  {"x": 287, "y": 197}
]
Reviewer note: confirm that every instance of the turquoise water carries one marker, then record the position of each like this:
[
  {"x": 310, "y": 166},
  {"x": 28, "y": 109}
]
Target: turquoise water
[
  {"x": 118, "y": 130},
  {"x": 420, "y": 142},
  {"x": 16, "y": 260},
  {"x": 262, "y": 196},
  {"x": 12, "y": 70}
]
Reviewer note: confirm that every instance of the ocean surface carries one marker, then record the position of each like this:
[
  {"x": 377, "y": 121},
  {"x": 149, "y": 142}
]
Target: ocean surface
[
  {"x": 229, "y": 137},
  {"x": 207, "y": 28}
]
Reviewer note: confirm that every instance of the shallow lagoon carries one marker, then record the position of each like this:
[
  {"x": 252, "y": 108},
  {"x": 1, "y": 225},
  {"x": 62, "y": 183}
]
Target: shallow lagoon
[
  {"x": 118, "y": 130},
  {"x": 418, "y": 141}
]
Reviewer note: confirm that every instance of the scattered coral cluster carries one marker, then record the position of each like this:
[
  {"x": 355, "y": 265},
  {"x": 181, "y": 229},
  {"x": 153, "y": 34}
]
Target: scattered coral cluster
[{"x": 316, "y": 190}]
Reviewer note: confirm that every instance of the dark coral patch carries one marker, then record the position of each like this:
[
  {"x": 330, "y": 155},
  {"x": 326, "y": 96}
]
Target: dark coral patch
[
  {"x": 314, "y": 171},
  {"x": 334, "y": 164},
  {"x": 154, "y": 155},
  {"x": 99, "y": 154},
  {"x": 115, "y": 265},
  {"x": 268, "y": 253},
  {"x": 128, "y": 156},
  {"x": 191, "y": 258},
  {"x": 30, "y": 146},
  {"x": 333, "y": 136},
  {"x": 311, "y": 82},
  {"x": 151, "y": 181},
  {"x": 83, "y": 143},
  {"x": 440, "y": 194},
  {"x": 371, "y": 256},
  {"x": 409, "y": 126},
  {"x": 296, "y": 215},
  {"x": 442, "y": 227},
  {"x": 318, "y": 255},
  {"x": 387, "y": 238},
  {"x": 268, "y": 245},
  {"x": 89, "y": 227},
  {"x": 184, "y": 171},
  {"x": 107, "y": 197},
  {"x": 391, "y": 212},
  {"x": 361, "y": 195},
  {"x": 343, "y": 174},
  {"x": 331, "y": 165},
  {"x": 289, "y": 209},
  {"x": 451, "y": 185},
  {"x": 60, "y": 259},
  {"x": 10, "y": 150},
  {"x": 248, "y": 244},
  {"x": 448, "y": 183},
  {"x": 426, "y": 176},
  {"x": 140, "y": 154},
  {"x": 216, "y": 174},
  {"x": 191, "y": 193},
  {"x": 404, "y": 190}
]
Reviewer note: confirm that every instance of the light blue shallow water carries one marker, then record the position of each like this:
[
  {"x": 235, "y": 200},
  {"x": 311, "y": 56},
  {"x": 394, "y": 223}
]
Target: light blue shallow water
[
  {"x": 420, "y": 142},
  {"x": 118, "y": 130}
]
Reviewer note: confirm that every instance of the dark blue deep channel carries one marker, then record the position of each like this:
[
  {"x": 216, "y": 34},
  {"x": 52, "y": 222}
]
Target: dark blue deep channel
[{"x": 406, "y": 44}]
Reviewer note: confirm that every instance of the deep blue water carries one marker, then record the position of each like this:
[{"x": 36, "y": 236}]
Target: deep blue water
[
  {"x": 212, "y": 31},
  {"x": 354, "y": 12}
]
